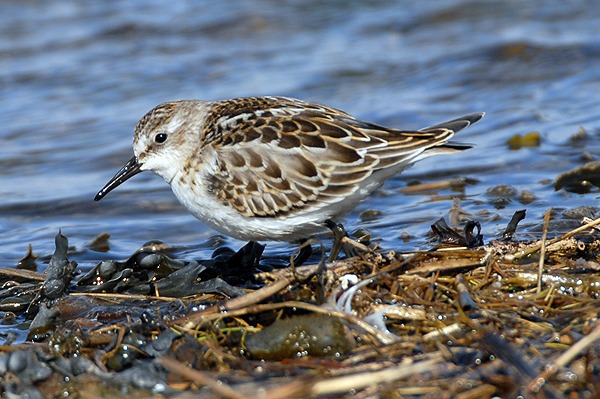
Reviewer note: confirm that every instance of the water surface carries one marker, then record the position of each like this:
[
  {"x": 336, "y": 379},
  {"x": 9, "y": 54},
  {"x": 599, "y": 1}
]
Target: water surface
[{"x": 77, "y": 76}]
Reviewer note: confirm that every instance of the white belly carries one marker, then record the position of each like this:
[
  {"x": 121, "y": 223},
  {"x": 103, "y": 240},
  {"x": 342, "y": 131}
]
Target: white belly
[{"x": 229, "y": 221}]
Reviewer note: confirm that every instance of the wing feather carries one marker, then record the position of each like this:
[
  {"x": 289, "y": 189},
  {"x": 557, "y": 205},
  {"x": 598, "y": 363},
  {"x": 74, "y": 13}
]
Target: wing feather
[{"x": 277, "y": 156}]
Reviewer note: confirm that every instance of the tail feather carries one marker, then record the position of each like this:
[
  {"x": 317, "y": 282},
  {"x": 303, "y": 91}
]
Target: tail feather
[{"x": 457, "y": 124}]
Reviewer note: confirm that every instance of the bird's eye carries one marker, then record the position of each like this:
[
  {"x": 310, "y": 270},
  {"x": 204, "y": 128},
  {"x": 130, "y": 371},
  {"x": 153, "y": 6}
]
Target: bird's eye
[{"x": 160, "y": 138}]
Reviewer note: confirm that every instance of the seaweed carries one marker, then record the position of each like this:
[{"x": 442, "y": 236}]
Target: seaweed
[{"x": 464, "y": 319}]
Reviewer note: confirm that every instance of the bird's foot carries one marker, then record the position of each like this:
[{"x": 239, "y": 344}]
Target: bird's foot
[{"x": 339, "y": 244}]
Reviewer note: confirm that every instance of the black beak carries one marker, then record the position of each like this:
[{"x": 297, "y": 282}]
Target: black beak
[{"x": 131, "y": 168}]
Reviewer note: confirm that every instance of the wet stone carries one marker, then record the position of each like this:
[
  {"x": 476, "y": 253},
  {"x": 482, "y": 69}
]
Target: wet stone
[
  {"x": 81, "y": 365},
  {"x": 74, "y": 366},
  {"x": 25, "y": 365},
  {"x": 502, "y": 191},
  {"x": 161, "y": 344},
  {"x": 316, "y": 335},
  {"x": 526, "y": 197},
  {"x": 122, "y": 358},
  {"x": 143, "y": 376},
  {"x": 591, "y": 212}
]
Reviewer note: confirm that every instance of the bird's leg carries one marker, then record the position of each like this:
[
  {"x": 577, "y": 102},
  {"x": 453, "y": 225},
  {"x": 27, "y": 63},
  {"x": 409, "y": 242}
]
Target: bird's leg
[
  {"x": 339, "y": 232},
  {"x": 319, "y": 272}
]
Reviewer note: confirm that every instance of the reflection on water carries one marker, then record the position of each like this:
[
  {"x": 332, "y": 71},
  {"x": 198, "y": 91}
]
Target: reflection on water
[{"x": 76, "y": 77}]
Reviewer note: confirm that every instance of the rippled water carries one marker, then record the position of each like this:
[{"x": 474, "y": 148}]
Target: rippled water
[{"x": 75, "y": 78}]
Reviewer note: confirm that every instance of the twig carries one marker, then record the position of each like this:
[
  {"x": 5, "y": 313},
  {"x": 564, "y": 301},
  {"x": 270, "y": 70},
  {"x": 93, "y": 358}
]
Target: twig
[
  {"x": 570, "y": 234},
  {"x": 465, "y": 301},
  {"x": 460, "y": 182},
  {"x": 356, "y": 244},
  {"x": 564, "y": 359},
  {"x": 362, "y": 380},
  {"x": 588, "y": 220},
  {"x": 22, "y": 273},
  {"x": 235, "y": 303},
  {"x": 114, "y": 296},
  {"x": 543, "y": 249},
  {"x": 200, "y": 378},
  {"x": 578, "y": 347}
]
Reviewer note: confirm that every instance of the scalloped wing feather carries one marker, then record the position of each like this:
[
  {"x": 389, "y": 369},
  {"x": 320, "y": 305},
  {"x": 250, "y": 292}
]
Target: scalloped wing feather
[{"x": 290, "y": 155}]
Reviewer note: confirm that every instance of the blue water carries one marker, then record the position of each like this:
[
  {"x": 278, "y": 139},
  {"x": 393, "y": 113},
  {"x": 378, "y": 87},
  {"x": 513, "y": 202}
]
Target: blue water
[{"x": 75, "y": 77}]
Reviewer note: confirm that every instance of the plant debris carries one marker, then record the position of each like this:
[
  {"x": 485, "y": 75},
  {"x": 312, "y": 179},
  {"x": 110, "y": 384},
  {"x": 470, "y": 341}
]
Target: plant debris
[
  {"x": 465, "y": 320},
  {"x": 581, "y": 180},
  {"x": 517, "y": 141}
]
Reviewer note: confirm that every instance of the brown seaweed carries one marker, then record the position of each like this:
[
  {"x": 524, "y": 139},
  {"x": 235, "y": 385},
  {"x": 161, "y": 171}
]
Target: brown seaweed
[{"x": 500, "y": 320}]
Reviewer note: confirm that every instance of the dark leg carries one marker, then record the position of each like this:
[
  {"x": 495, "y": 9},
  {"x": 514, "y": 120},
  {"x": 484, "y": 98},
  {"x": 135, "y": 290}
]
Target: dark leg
[
  {"x": 304, "y": 253},
  {"x": 339, "y": 232}
]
